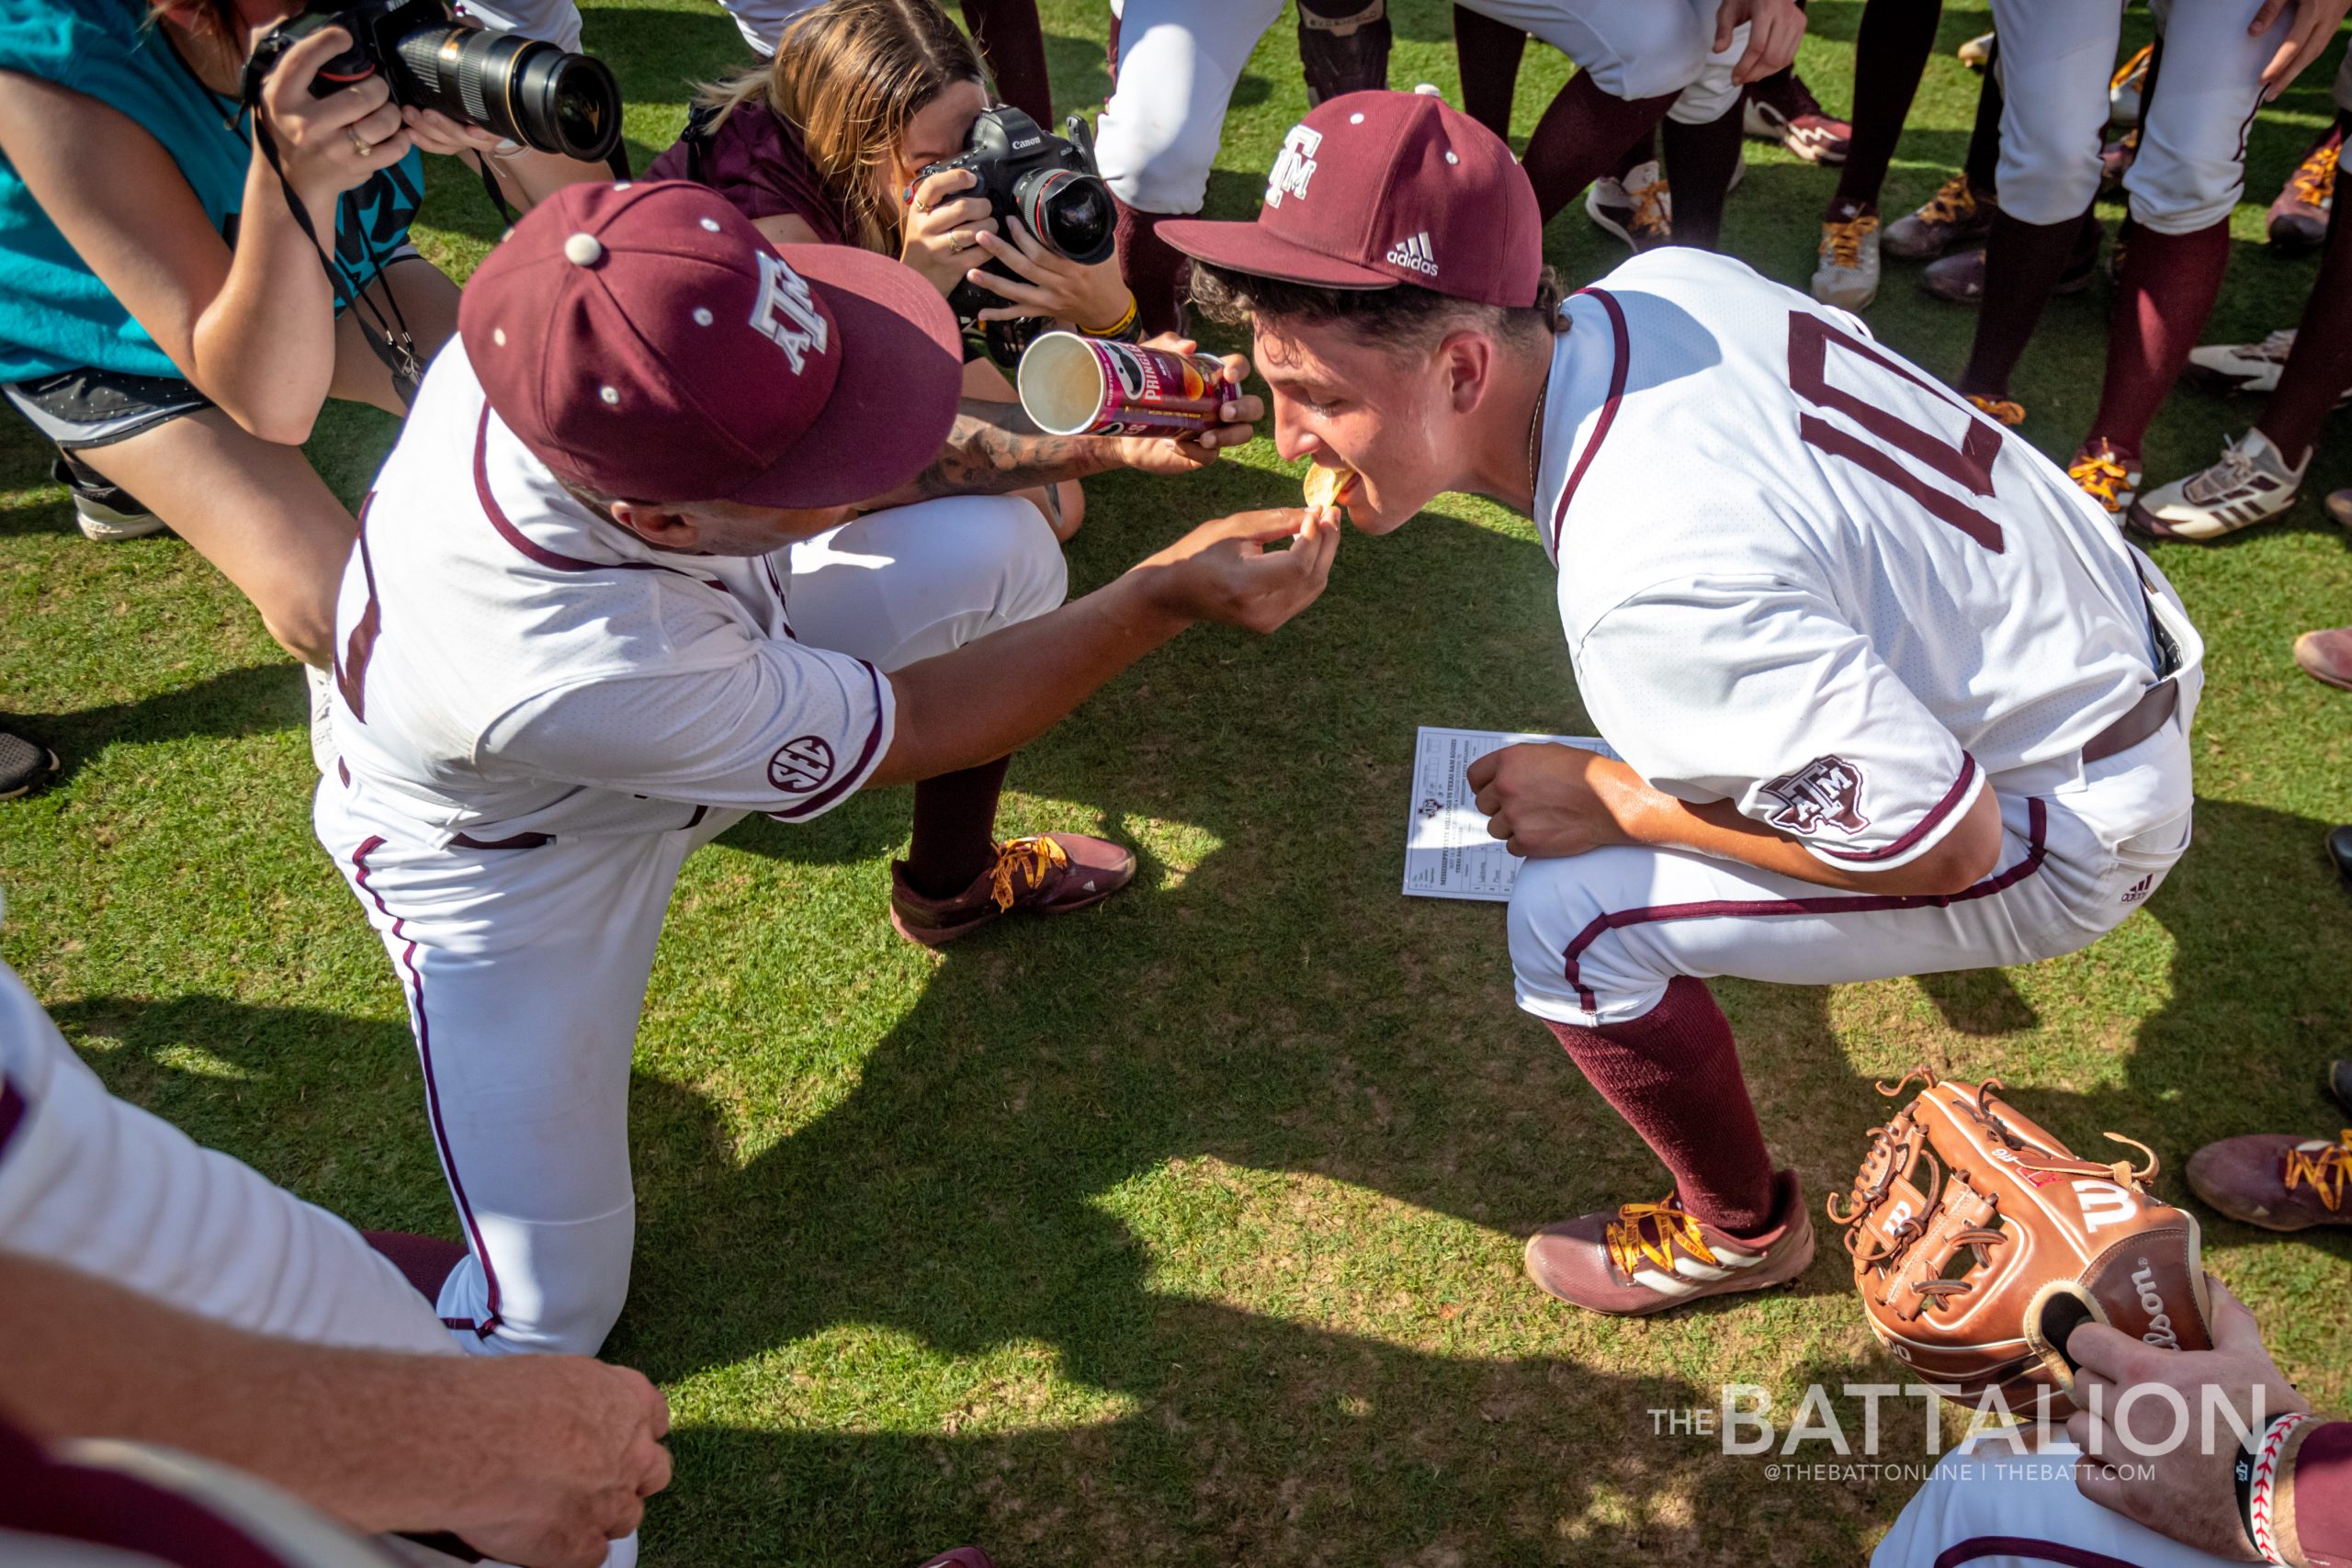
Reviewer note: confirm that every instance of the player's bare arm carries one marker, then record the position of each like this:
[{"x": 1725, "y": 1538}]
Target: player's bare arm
[
  {"x": 994, "y": 696},
  {"x": 536, "y": 1458},
  {"x": 1551, "y": 801}
]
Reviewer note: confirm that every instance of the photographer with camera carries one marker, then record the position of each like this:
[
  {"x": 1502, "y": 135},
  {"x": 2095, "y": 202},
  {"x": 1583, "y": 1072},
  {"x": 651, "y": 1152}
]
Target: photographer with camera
[
  {"x": 176, "y": 325},
  {"x": 838, "y": 140}
]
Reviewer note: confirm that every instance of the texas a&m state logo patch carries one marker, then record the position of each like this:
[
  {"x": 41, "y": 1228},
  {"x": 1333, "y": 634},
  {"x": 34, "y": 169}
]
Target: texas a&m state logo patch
[{"x": 1824, "y": 792}]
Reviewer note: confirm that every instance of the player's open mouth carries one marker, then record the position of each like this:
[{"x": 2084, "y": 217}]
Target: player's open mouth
[{"x": 1333, "y": 485}]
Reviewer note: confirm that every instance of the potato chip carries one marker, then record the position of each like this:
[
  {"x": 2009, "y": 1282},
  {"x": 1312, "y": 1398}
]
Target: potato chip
[{"x": 1325, "y": 485}]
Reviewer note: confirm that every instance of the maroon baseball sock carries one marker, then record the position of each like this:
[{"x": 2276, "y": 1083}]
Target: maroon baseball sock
[
  {"x": 1580, "y": 137},
  {"x": 1489, "y": 53},
  {"x": 2321, "y": 367},
  {"x": 954, "y": 829},
  {"x": 1673, "y": 1074},
  {"x": 1155, "y": 270},
  {"x": 1699, "y": 164},
  {"x": 2167, "y": 291},
  {"x": 2022, "y": 264},
  {"x": 1642, "y": 150},
  {"x": 1891, "y": 51},
  {"x": 1014, "y": 46}
]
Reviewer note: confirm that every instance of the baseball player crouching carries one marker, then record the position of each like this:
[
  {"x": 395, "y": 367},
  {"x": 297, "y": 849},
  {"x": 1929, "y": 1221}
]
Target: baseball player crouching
[
  {"x": 1891, "y": 697},
  {"x": 556, "y": 678}
]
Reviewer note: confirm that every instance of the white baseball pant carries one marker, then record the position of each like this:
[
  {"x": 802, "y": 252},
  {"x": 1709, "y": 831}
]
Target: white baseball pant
[
  {"x": 1596, "y": 938},
  {"x": 558, "y": 21},
  {"x": 1178, "y": 60},
  {"x": 524, "y": 970},
  {"x": 1998, "y": 1508},
  {"x": 2056, "y": 57}
]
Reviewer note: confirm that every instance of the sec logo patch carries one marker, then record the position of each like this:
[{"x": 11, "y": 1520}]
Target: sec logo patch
[{"x": 801, "y": 764}]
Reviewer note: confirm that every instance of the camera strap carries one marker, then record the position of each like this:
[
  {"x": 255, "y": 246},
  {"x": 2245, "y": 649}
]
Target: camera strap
[{"x": 389, "y": 336}]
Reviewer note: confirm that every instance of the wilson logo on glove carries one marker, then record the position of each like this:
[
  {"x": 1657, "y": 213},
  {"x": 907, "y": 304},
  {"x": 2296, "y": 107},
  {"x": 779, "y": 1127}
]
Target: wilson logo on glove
[{"x": 1980, "y": 1243}]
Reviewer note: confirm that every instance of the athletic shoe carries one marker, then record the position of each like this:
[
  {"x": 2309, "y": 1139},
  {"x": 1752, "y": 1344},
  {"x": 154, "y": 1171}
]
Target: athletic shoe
[
  {"x": 1049, "y": 874},
  {"x": 962, "y": 1557},
  {"x": 2001, "y": 411},
  {"x": 1782, "y": 108},
  {"x": 2107, "y": 476},
  {"x": 2340, "y": 507},
  {"x": 2299, "y": 218},
  {"x": 1955, "y": 216},
  {"x": 2251, "y": 484},
  {"x": 1645, "y": 1257},
  {"x": 1638, "y": 209},
  {"x": 1846, "y": 272},
  {"x": 25, "y": 766},
  {"x": 107, "y": 512},
  {"x": 2244, "y": 366},
  {"x": 2326, "y": 656},
  {"x": 2127, "y": 88},
  {"x": 2275, "y": 1180},
  {"x": 2115, "y": 160},
  {"x": 1960, "y": 278},
  {"x": 1977, "y": 53}
]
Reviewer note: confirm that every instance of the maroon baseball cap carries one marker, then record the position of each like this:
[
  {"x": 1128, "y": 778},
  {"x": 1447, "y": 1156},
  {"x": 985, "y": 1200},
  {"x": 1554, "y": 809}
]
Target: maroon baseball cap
[
  {"x": 1375, "y": 189},
  {"x": 643, "y": 339}
]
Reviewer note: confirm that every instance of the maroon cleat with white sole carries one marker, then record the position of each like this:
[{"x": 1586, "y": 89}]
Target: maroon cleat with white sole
[
  {"x": 2276, "y": 1181},
  {"x": 1648, "y": 1258},
  {"x": 1047, "y": 874}
]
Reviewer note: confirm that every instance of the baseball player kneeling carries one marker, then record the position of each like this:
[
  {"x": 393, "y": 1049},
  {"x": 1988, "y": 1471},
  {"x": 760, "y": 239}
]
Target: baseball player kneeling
[
  {"x": 607, "y": 600},
  {"x": 1891, "y": 697}
]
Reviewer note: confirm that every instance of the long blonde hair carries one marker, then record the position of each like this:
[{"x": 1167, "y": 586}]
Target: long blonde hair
[{"x": 850, "y": 74}]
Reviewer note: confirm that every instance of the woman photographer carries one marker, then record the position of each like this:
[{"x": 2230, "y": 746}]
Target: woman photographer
[
  {"x": 165, "y": 319},
  {"x": 826, "y": 143}
]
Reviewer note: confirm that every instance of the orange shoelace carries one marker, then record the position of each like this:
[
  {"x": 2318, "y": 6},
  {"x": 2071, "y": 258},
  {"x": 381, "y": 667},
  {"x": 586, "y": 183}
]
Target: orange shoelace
[
  {"x": 1630, "y": 1245},
  {"x": 1999, "y": 409},
  {"x": 1955, "y": 202},
  {"x": 1029, "y": 859},
  {"x": 2135, "y": 67},
  {"x": 2314, "y": 177},
  {"x": 1841, "y": 244},
  {"x": 2101, "y": 477},
  {"x": 2324, "y": 1173},
  {"x": 1652, "y": 218}
]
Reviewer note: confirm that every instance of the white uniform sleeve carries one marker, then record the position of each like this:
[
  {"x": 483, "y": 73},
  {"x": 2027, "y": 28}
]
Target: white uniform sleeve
[
  {"x": 1759, "y": 693},
  {"x": 786, "y": 728}
]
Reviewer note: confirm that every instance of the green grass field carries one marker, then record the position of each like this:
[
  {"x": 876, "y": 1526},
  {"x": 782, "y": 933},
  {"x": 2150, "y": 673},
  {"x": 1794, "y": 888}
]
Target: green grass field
[{"x": 1188, "y": 1231}]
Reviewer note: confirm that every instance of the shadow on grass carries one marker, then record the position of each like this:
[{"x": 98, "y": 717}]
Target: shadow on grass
[{"x": 258, "y": 699}]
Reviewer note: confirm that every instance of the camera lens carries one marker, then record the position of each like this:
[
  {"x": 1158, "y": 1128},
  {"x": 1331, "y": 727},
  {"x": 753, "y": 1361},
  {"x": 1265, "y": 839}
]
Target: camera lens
[
  {"x": 524, "y": 89},
  {"x": 1070, "y": 212}
]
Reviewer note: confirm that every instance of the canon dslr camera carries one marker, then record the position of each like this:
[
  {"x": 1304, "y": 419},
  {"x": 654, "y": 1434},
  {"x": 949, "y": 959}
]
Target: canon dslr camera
[
  {"x": 1046, "y": 181},
  {"x": 524, "y": 90}
]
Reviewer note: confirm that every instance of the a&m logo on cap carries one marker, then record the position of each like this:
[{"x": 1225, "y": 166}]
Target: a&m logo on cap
[
  {"x": 1295, "y": 166},
  {"x": 787, "y": 311}
]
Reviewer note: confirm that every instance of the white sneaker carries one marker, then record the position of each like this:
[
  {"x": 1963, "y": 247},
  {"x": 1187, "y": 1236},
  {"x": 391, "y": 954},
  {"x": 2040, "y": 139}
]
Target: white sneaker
[
  {"x": 106, "y": 513},
  {"x": 2251, "y": 484},
  {"x": 2247, "y": 367},
  {"x": 1638, "y": 209},
  {"x": 1848, "y": 274},
  {"x": 321, "y": 684}
]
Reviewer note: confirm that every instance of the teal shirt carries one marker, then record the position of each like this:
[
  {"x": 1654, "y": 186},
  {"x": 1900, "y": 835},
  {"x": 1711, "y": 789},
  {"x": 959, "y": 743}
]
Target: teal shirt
[{"x": 55, "y": 315}]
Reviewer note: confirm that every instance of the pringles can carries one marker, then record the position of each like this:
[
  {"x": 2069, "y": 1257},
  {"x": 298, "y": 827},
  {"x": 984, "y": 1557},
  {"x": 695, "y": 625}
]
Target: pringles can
[{"x": 1086, "y": 386}]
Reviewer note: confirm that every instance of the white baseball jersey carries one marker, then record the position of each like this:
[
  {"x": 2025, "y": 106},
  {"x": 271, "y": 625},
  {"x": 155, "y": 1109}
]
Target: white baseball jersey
[
  {"x": 1797, "y": 573},
  {"x": 514, "y": 668}
]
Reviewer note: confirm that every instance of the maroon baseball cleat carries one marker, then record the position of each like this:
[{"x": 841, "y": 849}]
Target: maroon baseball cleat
[
  {"x": 1047, "y": 874},
  {"x": 1782, "y": 108},
  {"x": 2326, "y": 656},
  {"x": 1960, "y": 278},
  {"x": 1957, "y": 217},
  {"x": 962, "y": 1557},
  {"x": 1647, "y": 1257},
  {"x": 2275, "y": 1180},
  {"x": 2299, "y": 218}
]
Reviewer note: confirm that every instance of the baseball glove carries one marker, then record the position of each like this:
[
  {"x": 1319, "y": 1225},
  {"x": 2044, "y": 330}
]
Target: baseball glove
[{"x": 1979, "y": 1242}]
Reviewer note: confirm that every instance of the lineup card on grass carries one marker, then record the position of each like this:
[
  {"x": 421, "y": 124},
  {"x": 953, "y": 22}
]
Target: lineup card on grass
[{"x": 1447, "y": 851}]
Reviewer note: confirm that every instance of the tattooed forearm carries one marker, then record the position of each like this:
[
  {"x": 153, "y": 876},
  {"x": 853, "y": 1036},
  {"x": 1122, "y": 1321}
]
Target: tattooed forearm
[{"x": 993, "y": 449}]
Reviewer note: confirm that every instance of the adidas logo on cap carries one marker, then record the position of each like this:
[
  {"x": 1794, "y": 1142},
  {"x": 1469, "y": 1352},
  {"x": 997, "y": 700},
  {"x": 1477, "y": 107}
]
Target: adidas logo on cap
[{"x": 1416, "y": 254}]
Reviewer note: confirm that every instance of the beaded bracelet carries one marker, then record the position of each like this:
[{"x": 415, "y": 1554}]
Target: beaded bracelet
[{"x": 2257, "y": 1473}]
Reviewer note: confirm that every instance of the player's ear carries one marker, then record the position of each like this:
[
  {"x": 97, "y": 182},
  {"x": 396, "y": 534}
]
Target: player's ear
[
  {"x": 656, "y": 524},
  {"x": 1468, "y": 361}
]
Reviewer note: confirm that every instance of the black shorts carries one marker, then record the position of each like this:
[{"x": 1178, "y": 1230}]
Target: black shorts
[{"x": 80, "y": 409}]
